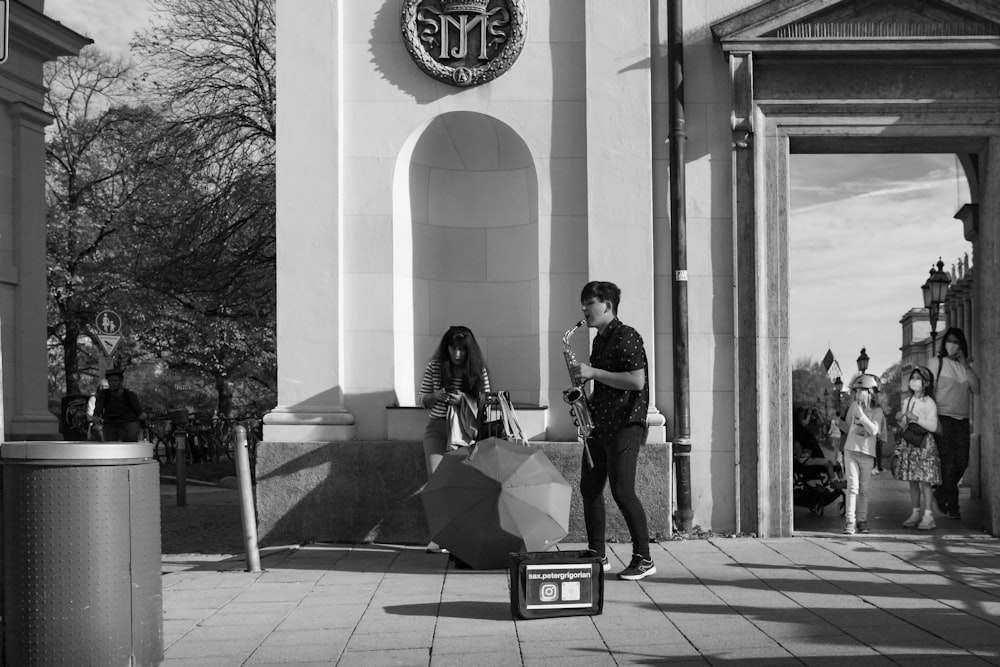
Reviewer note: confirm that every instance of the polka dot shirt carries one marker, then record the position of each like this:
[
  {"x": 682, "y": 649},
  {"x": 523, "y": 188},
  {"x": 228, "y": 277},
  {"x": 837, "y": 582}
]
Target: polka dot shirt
[{"x": 618, "y": 349}]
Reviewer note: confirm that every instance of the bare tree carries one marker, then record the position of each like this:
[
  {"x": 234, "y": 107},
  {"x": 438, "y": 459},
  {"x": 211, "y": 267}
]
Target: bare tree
[{"x": 214, "y": 63}]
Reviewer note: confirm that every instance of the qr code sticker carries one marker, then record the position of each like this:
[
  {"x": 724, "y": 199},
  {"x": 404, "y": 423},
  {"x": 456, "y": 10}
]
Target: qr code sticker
[{"x": 571, "y": 590}]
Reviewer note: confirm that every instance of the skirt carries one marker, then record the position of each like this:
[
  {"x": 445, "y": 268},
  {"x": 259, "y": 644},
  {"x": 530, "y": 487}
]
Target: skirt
[{"x": 917, "y": 464}]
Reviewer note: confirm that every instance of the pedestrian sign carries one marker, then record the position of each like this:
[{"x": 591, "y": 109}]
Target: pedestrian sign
[
  {"x": 109, "y": 323},
  {"x": 109, "y": 342}
]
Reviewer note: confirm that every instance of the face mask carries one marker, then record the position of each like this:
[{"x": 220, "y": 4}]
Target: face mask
[
  {"x": 951, "y": 349},
  {"x": 916, "y": 385}
]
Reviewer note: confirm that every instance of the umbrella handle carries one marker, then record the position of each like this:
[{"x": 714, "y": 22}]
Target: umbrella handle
[{"x": 586, "y": 453}]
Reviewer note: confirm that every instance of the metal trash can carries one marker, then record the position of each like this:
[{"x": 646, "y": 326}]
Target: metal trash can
[{"x": 81, "y": 554}]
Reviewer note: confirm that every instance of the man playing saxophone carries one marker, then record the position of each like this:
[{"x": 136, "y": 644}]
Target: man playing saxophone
[{"x": 618, "y": 403}]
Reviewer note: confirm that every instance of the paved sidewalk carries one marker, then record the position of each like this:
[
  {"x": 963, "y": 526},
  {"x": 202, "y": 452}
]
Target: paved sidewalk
[{"x": 875, "y": 599}]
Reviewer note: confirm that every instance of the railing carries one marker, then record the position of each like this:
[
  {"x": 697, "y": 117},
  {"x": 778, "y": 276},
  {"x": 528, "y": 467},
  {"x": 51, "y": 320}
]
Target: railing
[{"x": 210, "y": 439}]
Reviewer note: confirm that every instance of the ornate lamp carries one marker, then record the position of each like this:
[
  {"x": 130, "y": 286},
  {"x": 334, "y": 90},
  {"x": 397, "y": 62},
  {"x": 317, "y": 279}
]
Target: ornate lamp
[
  {"x": 935, "y": 290},
  {"x": 838, "y": 384},
  {"x": 863, "y": 359},
  {"x": 939, "y": 282}
]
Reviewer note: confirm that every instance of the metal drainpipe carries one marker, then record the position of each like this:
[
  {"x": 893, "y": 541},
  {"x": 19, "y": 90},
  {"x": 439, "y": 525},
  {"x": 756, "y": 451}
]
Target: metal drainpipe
[{"x": 678, "y": 236}]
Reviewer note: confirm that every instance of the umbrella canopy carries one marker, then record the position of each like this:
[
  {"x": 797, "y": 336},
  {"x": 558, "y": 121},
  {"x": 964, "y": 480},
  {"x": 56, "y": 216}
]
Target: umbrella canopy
[{"x": 497, "y": 498}]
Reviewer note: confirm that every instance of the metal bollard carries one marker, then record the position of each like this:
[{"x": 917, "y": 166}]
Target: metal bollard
[
  {"x": 180, "y": 439},
  {"x": 246, "y": 500}
]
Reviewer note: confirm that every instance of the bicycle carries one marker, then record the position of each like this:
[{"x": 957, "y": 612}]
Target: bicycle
[
  {"x": 157, "y": 430},
  {"x": 226, "y": 431}
]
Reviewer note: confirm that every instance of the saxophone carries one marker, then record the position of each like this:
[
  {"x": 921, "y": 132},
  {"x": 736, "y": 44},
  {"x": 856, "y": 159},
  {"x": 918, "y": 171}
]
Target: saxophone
[{"x": 575, "y": 396}]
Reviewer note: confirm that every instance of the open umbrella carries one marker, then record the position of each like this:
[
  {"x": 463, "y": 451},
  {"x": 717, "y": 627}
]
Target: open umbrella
[{"x": 497, "y": 498}]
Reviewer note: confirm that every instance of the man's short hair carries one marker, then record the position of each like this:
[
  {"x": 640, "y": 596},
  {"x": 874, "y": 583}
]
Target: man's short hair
[
  {"x": 113, "y": 372},
  {"x": 603, "y": 291}
]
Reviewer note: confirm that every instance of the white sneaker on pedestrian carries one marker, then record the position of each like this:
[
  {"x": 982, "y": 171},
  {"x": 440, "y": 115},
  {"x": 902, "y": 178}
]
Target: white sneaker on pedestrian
[
  {"x": 913, "y": 519},
  {"x": 926, "y": 523}
]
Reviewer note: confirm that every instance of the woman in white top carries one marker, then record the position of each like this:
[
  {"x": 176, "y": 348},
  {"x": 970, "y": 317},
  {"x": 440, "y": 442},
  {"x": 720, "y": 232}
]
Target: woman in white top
[
  {"x": 919, "y": 464},
  {"x": 863, "y": 423},
  {"x": 955, "y": 382}
]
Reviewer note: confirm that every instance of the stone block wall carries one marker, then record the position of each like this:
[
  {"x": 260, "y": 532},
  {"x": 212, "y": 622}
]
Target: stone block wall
[{"x": 364, "y": 491}]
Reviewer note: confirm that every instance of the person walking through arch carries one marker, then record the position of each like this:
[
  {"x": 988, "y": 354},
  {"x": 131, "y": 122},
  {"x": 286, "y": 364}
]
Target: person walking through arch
[
  {"x": 864, "y": 422},
  {"x": 919, "y": 464},
  {"x": 956, "y": 381}
]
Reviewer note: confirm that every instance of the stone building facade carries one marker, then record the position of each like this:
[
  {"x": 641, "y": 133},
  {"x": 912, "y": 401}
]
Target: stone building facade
[
  {"x": 34, "y": 39},
  {"x": 407, "y": 204}
]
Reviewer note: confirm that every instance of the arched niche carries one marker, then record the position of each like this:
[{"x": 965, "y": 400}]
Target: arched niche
[{"x": 466, "y": 239}]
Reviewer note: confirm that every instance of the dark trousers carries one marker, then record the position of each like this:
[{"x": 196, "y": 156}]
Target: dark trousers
[
  {"x": 119, "y": 432},
  {"x": 953, "y": 448},
  {"x": 615, "y": 460}
]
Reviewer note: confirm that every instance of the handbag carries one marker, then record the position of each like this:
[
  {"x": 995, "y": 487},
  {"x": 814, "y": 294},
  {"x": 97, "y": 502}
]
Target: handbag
[
  {"x": 914, "y": 434},
  {"x": 497, "y": 418},
  {"x": 463, "y": 425}
]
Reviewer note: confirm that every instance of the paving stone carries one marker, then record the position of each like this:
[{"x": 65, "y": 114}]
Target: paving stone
[{"x": 397, "y": 658}]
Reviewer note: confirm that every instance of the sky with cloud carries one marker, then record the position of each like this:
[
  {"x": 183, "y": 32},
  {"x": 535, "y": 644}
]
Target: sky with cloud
[
  {"x": 110, "y": 23},
  {"x": 864, "y": 229}
]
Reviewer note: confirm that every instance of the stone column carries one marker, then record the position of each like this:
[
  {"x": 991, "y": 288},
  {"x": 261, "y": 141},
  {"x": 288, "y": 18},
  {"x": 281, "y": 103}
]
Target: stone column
[
  {"x": 619, "y": 167},
  {"x": 26, "y": 377},
  {"x": 309, "y": 228}
]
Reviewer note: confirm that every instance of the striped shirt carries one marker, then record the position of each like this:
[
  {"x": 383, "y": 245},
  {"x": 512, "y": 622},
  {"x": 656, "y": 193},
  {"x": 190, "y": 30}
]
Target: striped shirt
[{"x": 432, "y": 382}]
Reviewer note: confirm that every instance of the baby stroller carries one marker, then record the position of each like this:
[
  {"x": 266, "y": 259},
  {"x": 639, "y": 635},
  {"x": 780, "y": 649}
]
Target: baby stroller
[{"x": 813, "y": 488}]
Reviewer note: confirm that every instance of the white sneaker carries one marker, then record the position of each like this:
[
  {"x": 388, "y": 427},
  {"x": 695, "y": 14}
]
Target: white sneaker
[
  {"x": 926, "y": 523},
  {"x": 913, "y": 520}
]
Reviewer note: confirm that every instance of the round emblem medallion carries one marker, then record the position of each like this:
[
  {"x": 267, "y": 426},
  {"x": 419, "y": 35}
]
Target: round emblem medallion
[{"x": 464, "y": 42}]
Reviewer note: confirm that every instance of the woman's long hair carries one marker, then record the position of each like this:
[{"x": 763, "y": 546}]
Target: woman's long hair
[
  {"x": 473, "y": 364},
  {"x": 959, "y": 336}
]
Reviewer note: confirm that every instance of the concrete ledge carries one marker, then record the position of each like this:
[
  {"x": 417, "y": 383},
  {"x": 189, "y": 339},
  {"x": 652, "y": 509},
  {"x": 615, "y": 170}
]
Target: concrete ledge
[
  {"x": 360, "y": 492},
  {"x": 408, "y": 423}
]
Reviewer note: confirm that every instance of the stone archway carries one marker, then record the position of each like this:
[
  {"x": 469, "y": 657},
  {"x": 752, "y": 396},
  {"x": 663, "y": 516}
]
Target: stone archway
[{"x": 850, "y": 76}]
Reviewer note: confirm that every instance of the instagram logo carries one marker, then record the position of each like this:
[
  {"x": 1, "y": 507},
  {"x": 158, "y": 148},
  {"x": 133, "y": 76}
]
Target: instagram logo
[{"x": 548, "y": 592}]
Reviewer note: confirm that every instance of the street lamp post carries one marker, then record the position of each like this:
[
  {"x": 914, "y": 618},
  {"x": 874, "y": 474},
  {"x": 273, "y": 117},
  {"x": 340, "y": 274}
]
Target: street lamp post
[
  {"x": 935, "y": 290},
  {"x": 863, "y": 360}
]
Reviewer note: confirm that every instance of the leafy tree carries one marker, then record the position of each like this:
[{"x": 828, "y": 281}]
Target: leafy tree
[
  {"x": 162, "y": 200},
  {"x": 91, "y": 177},
  {"x": 892, "y": 386},
  {"x": 213, "y": 65},
  {"x": 810, "y": 385}
]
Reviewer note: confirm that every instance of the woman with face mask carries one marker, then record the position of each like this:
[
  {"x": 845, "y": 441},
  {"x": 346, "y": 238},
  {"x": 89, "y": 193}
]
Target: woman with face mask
[
  {"x": 919, "y": 465},
  {"x": 955, "y": 382},
  {"x": 864, "y": 421}
]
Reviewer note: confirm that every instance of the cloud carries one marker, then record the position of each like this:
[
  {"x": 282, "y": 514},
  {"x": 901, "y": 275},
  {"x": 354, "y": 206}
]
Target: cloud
[
  {"x": 110, "y": 23},
  {"x": 864, "y": 230}
]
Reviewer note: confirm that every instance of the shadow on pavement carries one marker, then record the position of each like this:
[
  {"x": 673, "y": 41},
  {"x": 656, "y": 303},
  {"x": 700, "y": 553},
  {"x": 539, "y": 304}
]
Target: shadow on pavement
[{"x": 470, "y": 609}]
